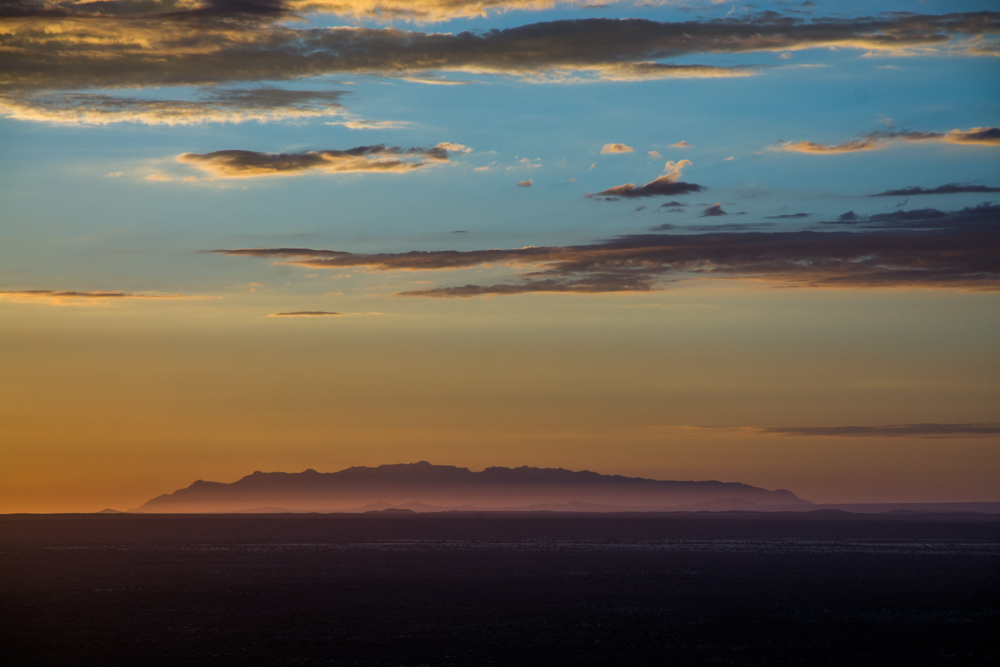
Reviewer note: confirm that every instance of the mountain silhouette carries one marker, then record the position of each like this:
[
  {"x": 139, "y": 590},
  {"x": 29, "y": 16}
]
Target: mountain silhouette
[{"x": 450, "y": 487}]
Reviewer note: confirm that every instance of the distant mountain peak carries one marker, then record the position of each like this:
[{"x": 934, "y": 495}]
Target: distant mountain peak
[{"x": 445, "y": 486}]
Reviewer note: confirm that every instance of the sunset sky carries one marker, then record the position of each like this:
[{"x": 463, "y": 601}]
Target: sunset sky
[{"x": 706, "y": 240}]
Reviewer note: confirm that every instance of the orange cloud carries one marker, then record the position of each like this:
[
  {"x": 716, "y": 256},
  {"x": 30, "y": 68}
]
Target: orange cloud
[
  {"x": 247, "y": 164},
  {"x": 610, "y": 149},
  {"x": 66, "y": 297},
  {"x": 874, "y": 141}
]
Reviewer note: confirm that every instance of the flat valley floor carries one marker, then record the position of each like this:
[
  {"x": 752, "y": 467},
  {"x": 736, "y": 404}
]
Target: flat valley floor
[{"x": 818, "y": 588}]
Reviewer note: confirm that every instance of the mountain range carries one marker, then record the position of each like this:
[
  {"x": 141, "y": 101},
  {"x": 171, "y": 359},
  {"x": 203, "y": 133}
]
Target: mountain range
[{"x": 427, "y": 487}]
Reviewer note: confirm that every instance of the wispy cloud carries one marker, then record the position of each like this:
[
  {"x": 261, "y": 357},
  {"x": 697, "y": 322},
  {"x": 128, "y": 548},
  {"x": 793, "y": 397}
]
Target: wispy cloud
[
  {"x": 880, "y": 139},
  {"x": 956, "y": 250},
  {"x": 306, "y": 313},
  {"x": 68, "y": 297},
  {"x": 379, "y": 159},
  {"x": 265, "y": 104},
  {"x": 370, "y": 124},
  {"x": 948, "y": 189},
  {"x": 890, "y": 431}
]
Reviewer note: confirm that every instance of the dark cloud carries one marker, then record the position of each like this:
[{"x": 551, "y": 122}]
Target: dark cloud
[
  {"x": 949, "y": 189},
  {"x": 93, "y": 45},
  {"x": 713, "y": 210},
  {"x": 665, "y": 185},
  {"x": 212, "y": 105},
  {"x": 731, "y": 227},
  {"x": 659, "y": 188},
  {"x": 673, "y": 203},
  {"x": 787, "y": 216},
  {"x": 891, "y": 431},
  {"x": 160, "y": 9},
  {"x": 960, "y": 251},
  {"x": 380, "y": 158},
  {"x": 989, "y": 136},
  {"x": 982, "y": 216}
]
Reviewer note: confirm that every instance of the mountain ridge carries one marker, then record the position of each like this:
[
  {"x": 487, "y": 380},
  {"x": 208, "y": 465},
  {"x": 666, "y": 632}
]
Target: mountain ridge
[{"x": 442, "y": 485}]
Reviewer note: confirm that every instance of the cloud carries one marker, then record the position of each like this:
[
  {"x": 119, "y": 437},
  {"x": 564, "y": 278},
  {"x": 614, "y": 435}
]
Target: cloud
[
  {"x": 786, "y": 216},
  {"x": 730, "y": 227},
  {"x": 890, "y": 431},
  {"x": 380, "y": 159},
  {"x": 370, "y": 124},
  {"x": 925, "y": 218},
  {"x": 424, "y": 11},
  {"x": 525, "y": 184},
  {"x": 958, "y": 252},
  {"x": 880, "y": 139},
  {"x": 526, "y": 163},
  {"x": 306, "y": 313},
  {"x": 681, "y": 144},
  {"x": 214, "y": 105},
  {"x": 713, "y": 210},
  {"x": 654, "y": 154},
  {"x": 665, "y": 185},
  {"x": 66, "y": 297},
  {"x": 853, "y": 146},
  {"x": 73, "y": 46},
  {"x": 610, "y": 149},
  {"x": 948, "y": 189},
  {"x": 417, "y": 11},
  {"x": 454, "y": 148},
  {"x": 982, "y": 136}
]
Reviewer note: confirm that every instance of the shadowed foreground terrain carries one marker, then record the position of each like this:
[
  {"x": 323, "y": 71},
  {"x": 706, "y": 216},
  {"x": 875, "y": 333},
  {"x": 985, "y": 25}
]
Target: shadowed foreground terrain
[{"x": 492, "y": 589}]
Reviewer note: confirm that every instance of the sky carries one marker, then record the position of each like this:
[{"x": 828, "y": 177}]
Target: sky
[{"x": 678, "y": 240}]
